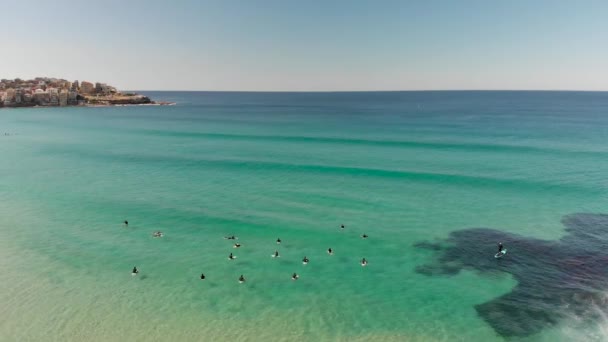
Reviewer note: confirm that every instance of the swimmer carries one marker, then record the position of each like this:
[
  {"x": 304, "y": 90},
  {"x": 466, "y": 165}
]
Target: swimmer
[
  {"x": 342, "y": 226},
  {"x": 135, "y": 271},
  {"x": 276, "y": 254},
  {"x": 330, "y": 251},
  {"x": 278, "y": 241},
  {"x": 295, "y": 276},
  {"x": 241, "y": 279},
  {"x": 231, "y": 257},
  {"x": 231, "y": 237},
  {"x": 202, "y": 276},
  {"x": 305, "y": 261},
  {"x": 126, "y": 223},
  {"x": 364, "y": 236},
  {"x": 363, "y": 262}
]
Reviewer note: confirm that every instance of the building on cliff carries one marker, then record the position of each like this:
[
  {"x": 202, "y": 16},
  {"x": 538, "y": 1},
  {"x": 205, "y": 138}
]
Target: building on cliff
[
  {"x": 54, "y": 96},
  {"x": 9, "y": 96},
  {"x": 63, "y": 98},
  {"x": 73, "y": 97},
  {"x": 87, "y": 87},
  {"x": 41, "y": 97},
  {"x": 18, "y": 96}
]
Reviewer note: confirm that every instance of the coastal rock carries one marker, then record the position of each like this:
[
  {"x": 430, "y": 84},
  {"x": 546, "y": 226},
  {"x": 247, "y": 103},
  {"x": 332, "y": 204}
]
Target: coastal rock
[{"x": 118, "y": 100}]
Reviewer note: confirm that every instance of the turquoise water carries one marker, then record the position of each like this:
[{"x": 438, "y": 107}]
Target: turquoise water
[{"x": 400, "y": 167}]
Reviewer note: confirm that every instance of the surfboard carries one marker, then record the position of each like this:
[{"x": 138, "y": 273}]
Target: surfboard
[
  {"x": 275, "y": 256},
  {"x": 233, "y": 257},
  {"x": 500, "y": 254}
]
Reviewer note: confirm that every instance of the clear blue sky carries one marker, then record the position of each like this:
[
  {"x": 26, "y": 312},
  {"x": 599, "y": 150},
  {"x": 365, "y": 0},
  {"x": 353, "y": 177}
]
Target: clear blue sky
[{"x": 310, "y": 45}]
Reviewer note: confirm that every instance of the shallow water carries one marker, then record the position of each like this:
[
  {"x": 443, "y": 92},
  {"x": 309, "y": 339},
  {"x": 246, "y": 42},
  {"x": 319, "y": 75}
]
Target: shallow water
[{"x": 402, "y": 167}]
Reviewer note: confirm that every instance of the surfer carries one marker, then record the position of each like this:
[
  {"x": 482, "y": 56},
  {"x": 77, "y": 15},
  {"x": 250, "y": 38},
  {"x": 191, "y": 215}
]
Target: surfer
[
  {"x": 363, "y": 262},
  {"x": 276, "y": 254},
  {"x": 305, "y": 260},
  {"x": 295, "y": 276},
  {"x": 364, "y": 236},
  {"x": 237, "y": 245},
  {"x": 135, "y": 271},
  {"x": 241, "y": 279},
  {"x": 278, "y": 241},
  {"x": 500, "y": 247},
  {"x": 202, "y": 276},
  {"x": 342, "y": 226},
  {"x": 330, "y": 251},
  {"x": 157, "y": 234},
  {"x": 231, "y": 257},
  {"x": 231, "y": 237},
  {"x": 126, "y": 223}
]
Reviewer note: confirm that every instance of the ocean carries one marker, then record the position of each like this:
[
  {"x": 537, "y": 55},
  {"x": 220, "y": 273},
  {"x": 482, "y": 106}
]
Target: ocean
[{"x": 435, "y": 179}]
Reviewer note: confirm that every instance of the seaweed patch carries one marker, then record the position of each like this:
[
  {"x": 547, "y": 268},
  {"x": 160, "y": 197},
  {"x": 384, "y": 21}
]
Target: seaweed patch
[{"x": 555, "y": 278}]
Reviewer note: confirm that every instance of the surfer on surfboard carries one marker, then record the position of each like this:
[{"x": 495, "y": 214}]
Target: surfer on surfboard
[{"x": 501, "y": 251}]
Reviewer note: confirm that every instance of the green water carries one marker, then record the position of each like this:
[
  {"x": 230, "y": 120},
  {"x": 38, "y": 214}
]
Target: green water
[{"x": 401, "y": 167}]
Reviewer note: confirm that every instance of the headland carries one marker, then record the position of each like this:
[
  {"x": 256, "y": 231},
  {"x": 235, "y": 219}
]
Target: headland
[{"x": 56, "y": 92}]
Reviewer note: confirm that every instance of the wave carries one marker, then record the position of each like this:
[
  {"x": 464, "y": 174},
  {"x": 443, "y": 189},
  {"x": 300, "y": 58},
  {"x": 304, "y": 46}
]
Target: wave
[
  {"x": 591, "y": 325},
  {"x": 374, "y": 142},
  {"x": 267, "y": 166}
]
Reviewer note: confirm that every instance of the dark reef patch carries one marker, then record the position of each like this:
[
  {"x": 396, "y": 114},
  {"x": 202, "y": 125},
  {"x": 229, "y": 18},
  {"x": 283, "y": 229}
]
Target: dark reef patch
[{"x": 556, "y": 279}]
